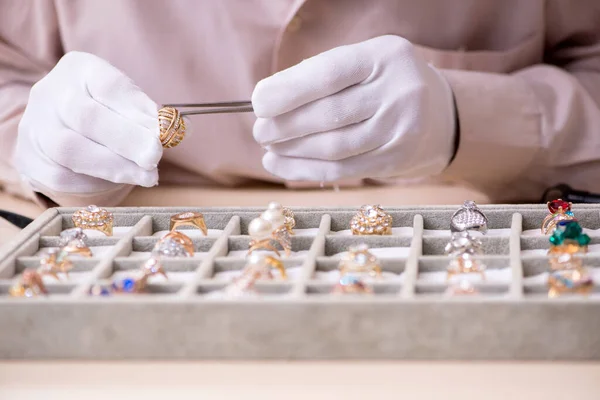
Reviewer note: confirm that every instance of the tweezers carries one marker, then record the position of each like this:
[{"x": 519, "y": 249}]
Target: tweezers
[{"x": 213, "y": 108}]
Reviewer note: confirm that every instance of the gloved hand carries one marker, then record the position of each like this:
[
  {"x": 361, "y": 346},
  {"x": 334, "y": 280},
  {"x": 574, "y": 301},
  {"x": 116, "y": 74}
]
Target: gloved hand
[
  {"x": 88, "y": 133},
  {"x": 369, "y": 110}
]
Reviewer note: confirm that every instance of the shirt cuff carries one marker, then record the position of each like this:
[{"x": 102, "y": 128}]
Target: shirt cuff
[{"x": 500, "y": 129}]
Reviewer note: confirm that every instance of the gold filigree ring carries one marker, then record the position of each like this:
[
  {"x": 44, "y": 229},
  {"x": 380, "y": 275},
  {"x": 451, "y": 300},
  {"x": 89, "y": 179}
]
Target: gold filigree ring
[
  {"x": 172, "y": 127},
  {"x": 371, "y": 220}
]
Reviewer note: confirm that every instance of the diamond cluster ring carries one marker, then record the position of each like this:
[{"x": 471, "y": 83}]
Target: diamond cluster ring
[
  {"x": 95, "y": 218},
  {"x": 371, "y": 220}
]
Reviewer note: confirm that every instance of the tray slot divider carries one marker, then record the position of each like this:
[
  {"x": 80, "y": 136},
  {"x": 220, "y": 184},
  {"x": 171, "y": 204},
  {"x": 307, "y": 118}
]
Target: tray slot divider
[
  {"x": 317, "y": 249},
  {"x": 516, "y": 283},
  {"x": 122, "y": 248},
  {"x": 218, "y": 249},
  {"x": 411, "y": 269}
]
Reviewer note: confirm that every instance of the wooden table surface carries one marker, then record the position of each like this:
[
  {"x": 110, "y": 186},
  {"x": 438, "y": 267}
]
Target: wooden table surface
[{"x": 293, "y": 380}]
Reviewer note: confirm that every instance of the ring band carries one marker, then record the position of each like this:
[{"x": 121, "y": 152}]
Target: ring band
[
  {"x": 172, "y": 127},
  {"x": 95, "y": 218},
  {"x": 189, "y": 218},
  {"x": 371, "y": 220},
  {"x": 468, "y": 218}
]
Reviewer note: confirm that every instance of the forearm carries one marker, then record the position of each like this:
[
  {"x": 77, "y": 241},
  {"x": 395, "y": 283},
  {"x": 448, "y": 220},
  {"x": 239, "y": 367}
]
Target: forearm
[{"x": 523, "y": 132}]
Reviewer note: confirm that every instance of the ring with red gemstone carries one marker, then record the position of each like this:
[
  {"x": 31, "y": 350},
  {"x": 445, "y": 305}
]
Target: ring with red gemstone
[
  {"x": 560, "y": 210},
  {"x": 95, "y": 218},
  {"x": 371, "y": 220}
]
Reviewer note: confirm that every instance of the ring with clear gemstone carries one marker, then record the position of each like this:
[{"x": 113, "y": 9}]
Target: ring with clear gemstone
[
  {"x": 371, "y": 220},
  {"x": 469, "y": 218},
  {"x": 55, "y": 261},
  {"x": 465, "y": 264},
  {"x": 73, "y": 241},
  {"x": 94, "y": 217},
  {"x": 152, "y": 267},
  {"x": 463, "y": 243},
  {"x": 360, "y": 261},
  {"x": 174, "y": 244}
]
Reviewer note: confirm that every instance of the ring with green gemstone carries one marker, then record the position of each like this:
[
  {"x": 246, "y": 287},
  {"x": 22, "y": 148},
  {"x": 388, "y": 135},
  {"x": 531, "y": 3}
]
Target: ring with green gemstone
[{"x": 567, "y": 243}]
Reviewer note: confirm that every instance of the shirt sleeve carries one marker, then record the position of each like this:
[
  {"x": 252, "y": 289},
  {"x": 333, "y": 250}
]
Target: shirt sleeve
[
  {"x": 29, "y": 48},
  {"x": 539, "y": 126}
]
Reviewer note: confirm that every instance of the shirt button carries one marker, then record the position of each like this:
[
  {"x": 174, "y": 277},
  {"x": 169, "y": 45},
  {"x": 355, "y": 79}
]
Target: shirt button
[{"x": 294, "y": 24}]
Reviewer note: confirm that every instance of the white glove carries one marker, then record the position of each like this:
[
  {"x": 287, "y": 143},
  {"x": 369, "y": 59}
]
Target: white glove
[
  {"x": 87, "y": 133},
  {"x": 369, "y": 110}
]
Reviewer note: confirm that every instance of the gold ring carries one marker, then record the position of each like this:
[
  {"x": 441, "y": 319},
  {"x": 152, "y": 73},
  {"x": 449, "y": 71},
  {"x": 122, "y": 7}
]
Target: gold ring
[
  {"x": 464, "y": 288},
  {"x": 152, "y": 267},
  {"x": 189, "y": 218},
  {"x": 569, "y": 281},
  {"x": 465, "y": 264},
  {"x": 567, "y": 244},
  {"x": 172, "y": 127},
  {"x": 371, "y": 220},
  {"x": 55, "y": 261},
  {"x": 73, "y": 242},
  {"x": 174, "y": 244},
  {"x": 359, "y": 260},
  {"x": 560, "y": 210},
  {"x": 261, "y": 265},
  {"x": 95, "y": 218},
  {"x": 263, "y": 231},
  {"x": 351, "y": 284},
  {"x": 290, "y": 219},
  {"x": 30, "y": 284}
]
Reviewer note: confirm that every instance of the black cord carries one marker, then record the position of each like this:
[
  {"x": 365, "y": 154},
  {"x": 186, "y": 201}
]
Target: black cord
[
  {"x": 18, "y": 220},
  {"x": 567, "y": 193},
  {"x": 456, "y": 130}
]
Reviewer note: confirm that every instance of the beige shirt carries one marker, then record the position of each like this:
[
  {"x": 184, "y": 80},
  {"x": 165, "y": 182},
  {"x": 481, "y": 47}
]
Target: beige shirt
[{"x": 525, "y": 74}]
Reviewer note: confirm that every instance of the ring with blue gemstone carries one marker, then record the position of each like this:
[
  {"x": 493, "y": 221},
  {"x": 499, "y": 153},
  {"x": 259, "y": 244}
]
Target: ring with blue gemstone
[{"x": 351, "y": 284}]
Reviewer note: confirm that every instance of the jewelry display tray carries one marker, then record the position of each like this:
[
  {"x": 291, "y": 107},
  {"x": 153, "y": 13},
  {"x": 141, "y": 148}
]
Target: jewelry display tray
[{"x": 408, "y": 316}]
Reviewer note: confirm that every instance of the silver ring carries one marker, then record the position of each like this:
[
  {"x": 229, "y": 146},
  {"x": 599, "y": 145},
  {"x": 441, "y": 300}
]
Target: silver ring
[
  {"x": 468, "y": 218},
  {"x": 463, "y": 243}
]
